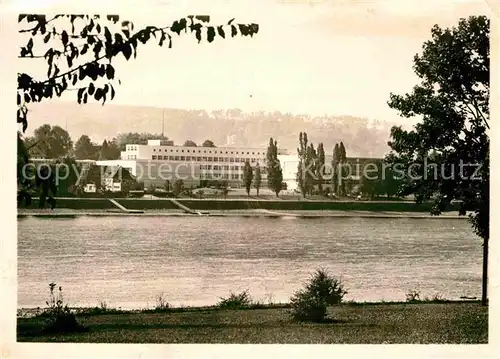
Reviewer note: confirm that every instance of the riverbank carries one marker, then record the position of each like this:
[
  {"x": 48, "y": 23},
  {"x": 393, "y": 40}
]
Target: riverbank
[
  {"x": 145, "y": 204},
  {"x": 349, "y": 323},
  {"x": 73, "y": 213},
  {"x": 68, "y": 207}
]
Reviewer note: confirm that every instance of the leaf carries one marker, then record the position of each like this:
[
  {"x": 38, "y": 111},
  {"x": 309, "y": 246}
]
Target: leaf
[
  {"x": 75, "y": 79},
  {"x": 107, "y": 35},
  {"x": 220, "y": 30},
  {"x": 113, "y": 18},
  {"x": 162, "y": 38},
  {"x": 230, "y": 21},
  {"x": 210, "y": 33},
  {"x": 91, "y": 89},
  {"x": 84, "y": 49},
  {"x": 244, "y": 30},
  {"x": 21, "y": 17},
  {"x": 79, "y": 95},
  {"x": 198, "y": 35},
  {"x": 46, "y": 38},
  {"x": 112, "y": 92},
  {"x": 97, "y": 49},
  {"x": 30, "y": 44},
  {"x": 233, "y": 31},
  {"x": 98, "y": 94},
  {"x": 255, "y": 28},
  {"x": 64, "y": 37},
  {"x": 204, "y": 18},
  {"x": 85, "y": 98},
  {"x": 110, "y": 72},
  {"x": 126, "y": 50},
  {"x": 178, "y": 26},
  {"x": 118, "y": 38}
]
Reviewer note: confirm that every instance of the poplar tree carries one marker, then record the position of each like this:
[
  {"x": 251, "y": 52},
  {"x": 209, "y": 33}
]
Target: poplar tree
[{"x": 274, "y": 171}]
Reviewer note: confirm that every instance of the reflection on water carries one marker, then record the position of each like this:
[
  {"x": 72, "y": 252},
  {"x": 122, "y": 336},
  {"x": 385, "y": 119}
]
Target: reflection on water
[{"x": 128, "y": 261}]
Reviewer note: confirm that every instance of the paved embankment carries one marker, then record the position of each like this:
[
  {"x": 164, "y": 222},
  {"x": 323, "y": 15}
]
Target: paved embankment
[{"x": 64, "y": 212}]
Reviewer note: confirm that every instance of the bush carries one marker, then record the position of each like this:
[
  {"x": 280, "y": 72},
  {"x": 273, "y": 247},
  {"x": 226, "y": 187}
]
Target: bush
[
  {"x": 161, "y": 303},
  {"x": 311, "y": 302},
  {"x": 413, "y": 296},
  {"x": 236, "y": 301},
  {"x": 60, "y": 319}
]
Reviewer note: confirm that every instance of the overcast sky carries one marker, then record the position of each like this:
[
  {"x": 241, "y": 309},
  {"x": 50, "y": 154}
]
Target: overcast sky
[{"x": 311, "y": 57}]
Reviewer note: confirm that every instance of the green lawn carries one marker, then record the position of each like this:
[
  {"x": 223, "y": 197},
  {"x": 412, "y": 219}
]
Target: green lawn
[{"x": 380, "y": 323}]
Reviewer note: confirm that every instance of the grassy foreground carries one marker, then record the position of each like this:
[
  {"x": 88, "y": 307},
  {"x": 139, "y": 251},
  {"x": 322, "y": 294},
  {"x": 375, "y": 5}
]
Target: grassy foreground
[{"x": 351, "y": 324}]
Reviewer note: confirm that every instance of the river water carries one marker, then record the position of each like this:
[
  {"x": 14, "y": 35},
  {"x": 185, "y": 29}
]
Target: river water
[{"x": 128, "y": 261}]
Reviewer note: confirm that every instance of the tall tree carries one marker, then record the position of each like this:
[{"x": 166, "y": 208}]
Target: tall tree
[
  {"x": 247, "y": 176},
  {"x": 320, "y": 166},
  {"x": 371, "y": 179},
  {"x": 113, "y": 151},
  {"x": 335, "y": 168},
  {"x": 68, "y": 181},
  {"x": 310, "y": 169},
  {"x": 109, "y": 151},
  {"x": 208, "y": 143},
  {"x": 189, "y": 143},
  {"x": 104, "y": 151},
  {"x": 274, "y": 171},
  {"x": 85, "y": 149},
  {"x": 343, "y": 177},
  {"x": 302, "y": 165},
  {"x": 452, "y": 101},
  {"x": 53, "y": 142},
  {"x": 257, "y": 179}
]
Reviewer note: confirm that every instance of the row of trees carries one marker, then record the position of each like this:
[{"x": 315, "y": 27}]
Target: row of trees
[
  {"x": 311, "y": 167},
  {"x": 206, "y": 143},
  {"x": 251, "y": 176},
  {"x": 274, "y": 172},
  {"x": 55, "y": 142},
  {"x": 311, "y": 172}
]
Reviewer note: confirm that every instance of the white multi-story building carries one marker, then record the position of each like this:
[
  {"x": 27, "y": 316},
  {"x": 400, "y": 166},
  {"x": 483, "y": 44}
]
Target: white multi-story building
[{"x": 156, "y": 163}]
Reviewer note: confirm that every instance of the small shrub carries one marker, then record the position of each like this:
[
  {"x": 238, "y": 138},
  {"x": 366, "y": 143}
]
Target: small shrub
[
  {"x": 60, "y": 319},
  {"x": 306, "y": 307},
  {"x": 322, "y": 290},
  {"x": 412, "y": 296},
  {"x": 236, "y": 301},
  {"x": 161, "y": 303}
]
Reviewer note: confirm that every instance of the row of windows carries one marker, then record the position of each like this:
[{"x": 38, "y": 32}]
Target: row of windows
[
  {"x": 227, "y": 168},
  {"x": 204, "y": 159},
  {"x": 221, "y": 176},
  {"x": 210, "y": 151}
]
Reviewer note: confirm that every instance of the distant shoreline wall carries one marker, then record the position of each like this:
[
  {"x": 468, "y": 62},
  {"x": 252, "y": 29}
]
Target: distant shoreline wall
[{"x": 241, "y": 204}]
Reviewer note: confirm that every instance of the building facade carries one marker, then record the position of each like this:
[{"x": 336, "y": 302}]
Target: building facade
[{"x": 156, "y": 163}]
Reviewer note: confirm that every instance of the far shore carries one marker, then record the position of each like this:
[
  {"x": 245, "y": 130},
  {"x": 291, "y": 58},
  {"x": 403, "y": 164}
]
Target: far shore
[{"x": 70, "y": 207}]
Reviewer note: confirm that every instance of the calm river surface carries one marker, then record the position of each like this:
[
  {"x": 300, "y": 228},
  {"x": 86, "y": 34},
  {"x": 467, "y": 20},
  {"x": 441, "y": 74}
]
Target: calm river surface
[{"x": 127, "y": 261}]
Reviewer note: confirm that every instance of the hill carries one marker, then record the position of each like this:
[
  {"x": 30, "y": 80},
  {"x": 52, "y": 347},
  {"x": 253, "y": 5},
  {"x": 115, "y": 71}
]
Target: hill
[{"x": 225, "y": 127}]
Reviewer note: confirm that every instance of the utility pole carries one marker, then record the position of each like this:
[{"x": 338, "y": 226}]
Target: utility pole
[{"x": 163, "y": 124}]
